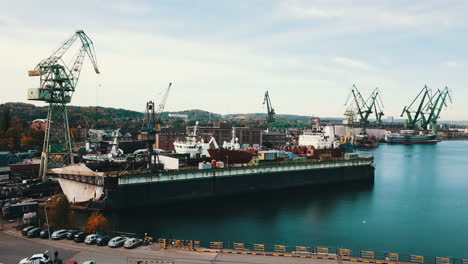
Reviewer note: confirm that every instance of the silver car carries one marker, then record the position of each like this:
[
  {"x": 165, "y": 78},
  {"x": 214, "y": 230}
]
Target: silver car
[
  {"x": 59, "y": 234},
  {"x": 91, "y": 239},
  {"x": 117, "y": 241},
  {"x": 133, "y": 243}
]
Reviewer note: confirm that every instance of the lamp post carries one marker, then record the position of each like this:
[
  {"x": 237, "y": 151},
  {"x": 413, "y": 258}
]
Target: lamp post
[{"x": 47, "y": 219}]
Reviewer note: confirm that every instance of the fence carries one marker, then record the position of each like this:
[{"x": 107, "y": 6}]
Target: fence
[{"x": 305, "y": 252}]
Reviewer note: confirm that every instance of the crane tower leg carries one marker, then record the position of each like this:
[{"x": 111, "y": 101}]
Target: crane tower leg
[{"x": 57, "y": 148}]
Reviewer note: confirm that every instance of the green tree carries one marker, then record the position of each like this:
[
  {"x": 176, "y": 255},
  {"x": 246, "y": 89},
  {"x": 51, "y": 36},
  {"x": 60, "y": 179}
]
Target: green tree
[
  {"x": 60, "y": 213},
  {"x": 6, "y": 119}
]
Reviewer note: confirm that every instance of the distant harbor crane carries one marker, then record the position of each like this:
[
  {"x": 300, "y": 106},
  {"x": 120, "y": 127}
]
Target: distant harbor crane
[
  {"x": 364, "y": 108},
  {"x": 415, "y": 116},
  {"x": 270, "y": 118},
  {"x": 152, "y": 125},
  {"x": 429, "y": 107},
  {"x": 58, "y": 81},
  {"x": 439, "y": 100}
]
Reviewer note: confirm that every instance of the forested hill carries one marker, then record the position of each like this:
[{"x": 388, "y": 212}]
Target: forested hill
[{"x": 29, "y": 112}]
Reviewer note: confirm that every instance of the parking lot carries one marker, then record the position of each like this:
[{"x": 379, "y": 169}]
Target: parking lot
[{"x": 14, "y": 247}]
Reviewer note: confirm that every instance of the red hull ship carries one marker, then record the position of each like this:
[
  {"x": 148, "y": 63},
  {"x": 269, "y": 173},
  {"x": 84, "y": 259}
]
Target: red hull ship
[{"x": 230, "y": 156}]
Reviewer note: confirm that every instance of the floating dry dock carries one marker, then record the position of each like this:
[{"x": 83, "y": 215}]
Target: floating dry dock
[{"x": 114, "y": 190}]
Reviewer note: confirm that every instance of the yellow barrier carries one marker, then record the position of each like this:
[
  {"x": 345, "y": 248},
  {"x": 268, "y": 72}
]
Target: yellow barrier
[
  {"x": 259, "y": 247},
  {"x": 345, "y": 252},
  {"x": 440, "y": 260},
  {"x": 416, "y": 258},
  {"x": 393, "y": 256},
  {"x": 148, "y": 261},
  {"x": 322, "y": 250},
  {"x": 196, "y": 244},
  {"x": 302, "y": 249},
  {"x": 239, "y": 246},
  {"x": 280, "y": 248},
  {"x": 216, "y": 245},
  {"x": 367, "y": 254}
]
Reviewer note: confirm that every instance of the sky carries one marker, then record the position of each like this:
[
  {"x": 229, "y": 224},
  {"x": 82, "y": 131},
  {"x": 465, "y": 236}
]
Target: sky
[{"x": 221, "y": 56}]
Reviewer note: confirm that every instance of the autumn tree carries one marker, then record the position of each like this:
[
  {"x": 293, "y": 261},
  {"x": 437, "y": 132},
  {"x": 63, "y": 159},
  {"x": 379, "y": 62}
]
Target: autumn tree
[{"x": 96, "y": 223}]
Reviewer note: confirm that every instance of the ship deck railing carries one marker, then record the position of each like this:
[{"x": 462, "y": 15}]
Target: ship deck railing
[{"x": 242, "y": 165}]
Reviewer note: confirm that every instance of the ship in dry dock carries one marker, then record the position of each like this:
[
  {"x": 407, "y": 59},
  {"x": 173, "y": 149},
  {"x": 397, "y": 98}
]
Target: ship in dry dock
[{"x": 265, "y": 172}]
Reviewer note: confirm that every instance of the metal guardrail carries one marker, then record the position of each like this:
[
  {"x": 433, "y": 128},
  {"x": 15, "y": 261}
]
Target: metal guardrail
[{"x": 306, "y": 252}]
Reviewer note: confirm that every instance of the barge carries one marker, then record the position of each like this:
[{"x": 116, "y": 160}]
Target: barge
[
  {"x": 409, "y": 137},
  {"x": 125, "y": 189}
]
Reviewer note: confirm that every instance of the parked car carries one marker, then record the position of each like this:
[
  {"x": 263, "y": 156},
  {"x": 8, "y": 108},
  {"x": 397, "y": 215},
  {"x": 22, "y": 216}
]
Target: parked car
[
  {"x": 59, "y": 234},
  {"x": 133, "y": 243},
  {"x": 91, "y": 239},
  {"x": 80, "y": 236},
  {"x": 72, "y": 262},
  {"x": 37, "y": 258},
  {"x": 102, "y": 240},
  {"x": 45, "y": 233},
  {"x": 26, "y": 230},
  {"x": 89, "y": 262},
  {"x": 35, "y": 232},
  {"x": 117, "y": 241},
  {"x": 71, "y": 234}
]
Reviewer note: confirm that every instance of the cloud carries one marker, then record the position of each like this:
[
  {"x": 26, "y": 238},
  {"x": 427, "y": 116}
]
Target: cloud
[
  {"x": 129, "y": 7},
  {"x": 454, "y": 64},
  {"x": 372, "y": 15},
  {"x": 352, "y": 63}
]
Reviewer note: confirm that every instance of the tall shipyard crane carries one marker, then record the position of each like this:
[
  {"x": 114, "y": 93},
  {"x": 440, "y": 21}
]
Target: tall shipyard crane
[
  {"x": 438, "y": 101},
  {"x": 152, "y": 125},
  {"x": 270, "y": 118},
  {"x": 375, "y": 100},
  {"x": 57, "y": 82},
  {"x": 415, "y": 112}
]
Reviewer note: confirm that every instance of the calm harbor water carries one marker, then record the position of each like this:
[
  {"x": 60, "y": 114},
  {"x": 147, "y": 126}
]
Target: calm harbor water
[{"x": 418, "y": 205}]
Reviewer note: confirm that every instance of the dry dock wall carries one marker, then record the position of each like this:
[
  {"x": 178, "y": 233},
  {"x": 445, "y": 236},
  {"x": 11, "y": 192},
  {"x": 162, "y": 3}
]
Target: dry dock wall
[{"x": 152, "y": 190}]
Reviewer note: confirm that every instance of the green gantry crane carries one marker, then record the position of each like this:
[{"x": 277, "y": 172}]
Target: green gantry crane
[
  {"x": 58, "y": 81},
  {"x": 270, "y": 118}
]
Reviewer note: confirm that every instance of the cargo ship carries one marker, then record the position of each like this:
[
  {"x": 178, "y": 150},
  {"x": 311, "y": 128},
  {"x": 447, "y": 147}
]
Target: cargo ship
[
  {"x": 409, "y": 137},
  {"x": 141, "y": 188}
]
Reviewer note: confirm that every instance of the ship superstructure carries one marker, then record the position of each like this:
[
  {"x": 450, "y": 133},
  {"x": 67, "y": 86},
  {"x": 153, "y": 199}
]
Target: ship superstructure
[
  {"x": 193, "y": 146},
  {"x": 319, "y": 139}
]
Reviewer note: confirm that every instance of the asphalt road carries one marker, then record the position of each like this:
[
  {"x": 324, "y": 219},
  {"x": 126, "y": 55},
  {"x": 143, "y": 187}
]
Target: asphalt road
[{"x": 14, "y": 247}]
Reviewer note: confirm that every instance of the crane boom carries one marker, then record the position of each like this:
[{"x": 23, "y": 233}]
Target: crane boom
[{"x": 162, "y": 103}]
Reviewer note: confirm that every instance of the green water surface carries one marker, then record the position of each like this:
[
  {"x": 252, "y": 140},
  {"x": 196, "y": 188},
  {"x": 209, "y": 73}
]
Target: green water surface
[{"x": 418, "y": 205}]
